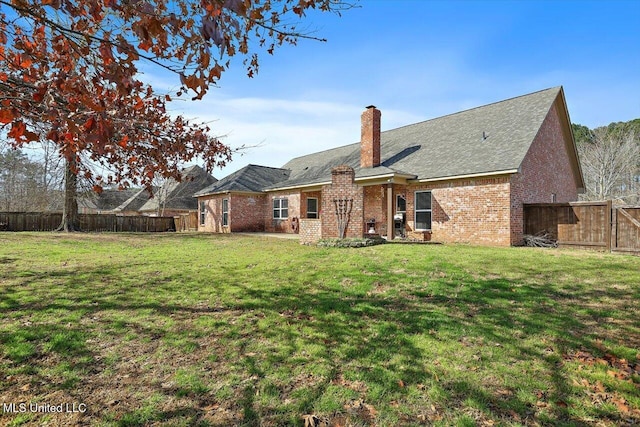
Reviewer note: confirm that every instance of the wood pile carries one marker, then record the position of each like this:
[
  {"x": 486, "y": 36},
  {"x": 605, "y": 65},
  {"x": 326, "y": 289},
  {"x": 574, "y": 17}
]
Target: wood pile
[{"x": 542, "y": 239}]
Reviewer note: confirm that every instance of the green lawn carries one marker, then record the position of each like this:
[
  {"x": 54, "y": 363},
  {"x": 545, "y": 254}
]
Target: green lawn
[{"x": 197, "y": 329}]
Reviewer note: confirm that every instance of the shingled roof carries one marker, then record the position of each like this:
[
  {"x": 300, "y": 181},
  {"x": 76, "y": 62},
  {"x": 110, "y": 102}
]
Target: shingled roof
[
  {"x": 108, "y": 199},
  {"x": 135, "y": 202},
  {"x": 249, "y": 179},
  {"x": 485, "y": 140},
  {"x": 179, "y": 195}
]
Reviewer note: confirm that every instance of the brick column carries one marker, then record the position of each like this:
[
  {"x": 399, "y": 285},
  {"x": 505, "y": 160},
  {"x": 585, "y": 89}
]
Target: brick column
[{"x": 342, "y": 188}]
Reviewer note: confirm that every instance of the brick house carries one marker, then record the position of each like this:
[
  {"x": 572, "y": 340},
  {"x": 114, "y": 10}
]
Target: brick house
[{"x": 463, "y": 177}]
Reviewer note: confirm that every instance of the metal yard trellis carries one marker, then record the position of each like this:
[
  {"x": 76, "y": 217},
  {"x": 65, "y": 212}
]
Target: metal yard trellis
[{"x": 343, "y": 212}]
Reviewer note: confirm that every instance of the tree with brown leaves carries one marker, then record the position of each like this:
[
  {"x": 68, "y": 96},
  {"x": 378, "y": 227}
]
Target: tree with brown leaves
[{"x": 69, "y": 74}]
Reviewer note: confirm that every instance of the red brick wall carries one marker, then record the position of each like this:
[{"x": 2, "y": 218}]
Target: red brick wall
[
  {"x": 546, "y": 170},
  {"x": 342, "y": 187},
  {"x": 246, "y": 212},
  {"x": 375, "y": 206},
  {"x": 466, "y": 211},
  {"x": 272, "y": 225}
]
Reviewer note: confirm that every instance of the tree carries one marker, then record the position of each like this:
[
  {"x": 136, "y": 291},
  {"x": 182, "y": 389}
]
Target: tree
[
  {"x": 581, "y": 134},
  {"x": 69, "y": 74},
  {"x": 611, "y": 164},
  {"x": 17, "y": 181},
  {"x": 26, "y": 184}
]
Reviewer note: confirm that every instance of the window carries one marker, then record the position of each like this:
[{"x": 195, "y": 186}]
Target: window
[
  {"x": 423, "y": 210},
  {"x": 202, "y": 212},
  {"x": 280, "y": 208},
  {"x": 401, "y": 203},
  {"x": 312, "y": 207},
  {"x": 225, "y": 212}
]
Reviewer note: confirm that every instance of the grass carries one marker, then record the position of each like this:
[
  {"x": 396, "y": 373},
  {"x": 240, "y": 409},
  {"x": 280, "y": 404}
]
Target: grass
[{"x": 212, "y": 330}]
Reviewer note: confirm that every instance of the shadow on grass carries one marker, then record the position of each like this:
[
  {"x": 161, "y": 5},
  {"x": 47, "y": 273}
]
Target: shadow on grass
[{"x": 366, "y": 331}]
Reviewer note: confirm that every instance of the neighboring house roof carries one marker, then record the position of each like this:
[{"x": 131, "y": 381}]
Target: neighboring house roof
[
  {"x": 485, "y": 140},
  {"x": 108, "y": 199},
  {"x": 135, "y": 202},
  {"x": 251, "y": 178},
  {"x": 179, "y": 195}
]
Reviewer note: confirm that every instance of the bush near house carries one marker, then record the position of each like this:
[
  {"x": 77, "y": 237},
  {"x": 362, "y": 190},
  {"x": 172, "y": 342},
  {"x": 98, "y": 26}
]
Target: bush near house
[{"x": 201, "y": 329}]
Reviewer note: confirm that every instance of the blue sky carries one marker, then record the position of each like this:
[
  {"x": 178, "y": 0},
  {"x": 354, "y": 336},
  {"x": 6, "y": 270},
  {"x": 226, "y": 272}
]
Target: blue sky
[{"x": 416, "y": 60}]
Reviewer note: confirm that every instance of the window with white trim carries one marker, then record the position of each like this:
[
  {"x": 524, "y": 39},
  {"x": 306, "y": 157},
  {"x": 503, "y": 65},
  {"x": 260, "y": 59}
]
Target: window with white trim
[
  {"x": 280, "y": 208},
  {"x": 202, "y": 213},
  {"x": 225, "y": 212},
  {"x": 423, "y": 210},
  {"x": 312, "y": 207}
]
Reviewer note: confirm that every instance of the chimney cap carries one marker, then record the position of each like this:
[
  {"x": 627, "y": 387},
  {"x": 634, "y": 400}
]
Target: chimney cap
[{"x": 370, "y": 107}]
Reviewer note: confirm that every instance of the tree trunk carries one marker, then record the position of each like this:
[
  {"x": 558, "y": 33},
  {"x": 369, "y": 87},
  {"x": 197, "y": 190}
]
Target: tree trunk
[{"x": 70, "y": 217}]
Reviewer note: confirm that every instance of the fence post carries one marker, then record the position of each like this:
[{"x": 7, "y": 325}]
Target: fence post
[{"x": 610, "y": 229}]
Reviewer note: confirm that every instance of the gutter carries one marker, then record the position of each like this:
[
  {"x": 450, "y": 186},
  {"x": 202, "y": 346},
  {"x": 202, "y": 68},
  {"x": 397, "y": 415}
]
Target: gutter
[
  {"x": 228, "y": 192},
  {"x": 471, "y": 175},
  {"x": 293, "y": 187},
  {"x": 386, "y": 177}
]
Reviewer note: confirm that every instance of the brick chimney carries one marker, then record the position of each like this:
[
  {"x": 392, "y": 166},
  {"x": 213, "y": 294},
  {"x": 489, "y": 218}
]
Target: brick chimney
[{"x": 370, "y": 138}]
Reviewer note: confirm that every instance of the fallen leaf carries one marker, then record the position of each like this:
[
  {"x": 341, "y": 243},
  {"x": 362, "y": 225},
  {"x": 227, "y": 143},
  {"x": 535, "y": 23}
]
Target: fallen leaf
[
  {"x": 621, "y": 403},
  {"x": 310, "y": 420}
]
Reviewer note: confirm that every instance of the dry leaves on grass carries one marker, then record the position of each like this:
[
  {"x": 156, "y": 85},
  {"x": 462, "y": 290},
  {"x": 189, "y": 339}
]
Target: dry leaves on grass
[
  {"x": 361, "y": 409},
  {"x": 311, "y": 420},
  {"x": 621, "y": 369},
  {"x": 618, "y": 368}
]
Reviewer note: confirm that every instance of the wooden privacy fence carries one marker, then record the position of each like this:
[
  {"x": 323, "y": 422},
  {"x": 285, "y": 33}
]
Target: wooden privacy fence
[
  {"x": 597, "y": 225},
  {"x": 187, "y": 221},
  {"x": 48, "y": 221}
]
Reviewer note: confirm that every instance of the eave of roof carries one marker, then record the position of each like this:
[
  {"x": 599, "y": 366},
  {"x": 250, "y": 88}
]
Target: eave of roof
[{"x": 467, "y": 176}]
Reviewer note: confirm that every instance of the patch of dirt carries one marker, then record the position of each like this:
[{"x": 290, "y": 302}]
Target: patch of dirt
[{"x": 378, "y": 288}]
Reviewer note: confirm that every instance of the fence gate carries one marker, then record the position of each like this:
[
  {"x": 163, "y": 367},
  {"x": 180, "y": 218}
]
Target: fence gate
[{"x": 625, "y": 229}]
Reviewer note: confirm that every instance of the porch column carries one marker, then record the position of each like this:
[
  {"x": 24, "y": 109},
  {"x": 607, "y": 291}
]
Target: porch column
[{"x": 390, "y": 230}]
